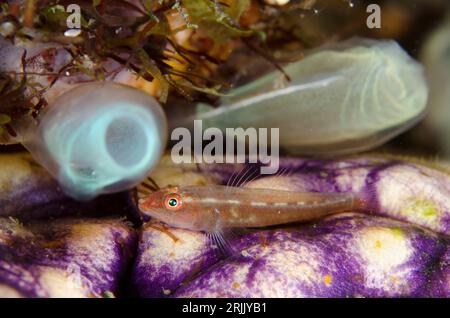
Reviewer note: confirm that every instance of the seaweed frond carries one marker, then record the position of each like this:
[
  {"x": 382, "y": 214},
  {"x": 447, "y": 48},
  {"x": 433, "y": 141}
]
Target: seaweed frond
[
  {"x": 141, "y": 36},
  {"x": 175, "y": 44}
]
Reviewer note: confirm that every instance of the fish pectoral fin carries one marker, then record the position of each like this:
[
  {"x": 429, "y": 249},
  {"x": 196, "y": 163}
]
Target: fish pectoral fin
[
  {"x": 220, "y": 242},
  {"x": 156, "y": 225}
]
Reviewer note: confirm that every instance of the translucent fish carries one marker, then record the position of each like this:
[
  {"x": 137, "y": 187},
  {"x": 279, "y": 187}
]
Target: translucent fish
[
  {"x": 211, "y": 208},
  {"x": 218, "y": 210},
  {"x": 98, "y": 138},
  {"x": 350, "y": 97}
]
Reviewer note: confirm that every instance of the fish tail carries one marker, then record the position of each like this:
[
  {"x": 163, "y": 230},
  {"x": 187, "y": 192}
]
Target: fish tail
[{"x": 365, "y": 202}]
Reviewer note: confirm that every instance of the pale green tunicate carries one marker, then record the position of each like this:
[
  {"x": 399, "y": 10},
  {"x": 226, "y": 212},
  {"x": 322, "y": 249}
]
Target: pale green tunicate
[
  {"x": 98, "y": 138},
  {"x": 436, "y": 58},
  {"x": 346, "y": 98}
]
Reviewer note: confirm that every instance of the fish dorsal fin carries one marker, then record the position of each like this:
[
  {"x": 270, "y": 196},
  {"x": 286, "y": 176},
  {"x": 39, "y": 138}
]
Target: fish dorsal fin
[
  {"x": 240, "y": 178},
  {"x": 249, "y": 173},
  {"x": 146, "y": 187}
]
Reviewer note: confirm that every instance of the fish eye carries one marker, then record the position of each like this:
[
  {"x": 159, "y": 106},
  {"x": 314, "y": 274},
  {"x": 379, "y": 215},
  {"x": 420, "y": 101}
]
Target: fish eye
[{"x": 172, "y": 202}]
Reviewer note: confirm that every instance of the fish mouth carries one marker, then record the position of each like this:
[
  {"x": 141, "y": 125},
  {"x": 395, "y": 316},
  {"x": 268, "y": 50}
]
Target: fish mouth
[{"x": 147, "y": 206}]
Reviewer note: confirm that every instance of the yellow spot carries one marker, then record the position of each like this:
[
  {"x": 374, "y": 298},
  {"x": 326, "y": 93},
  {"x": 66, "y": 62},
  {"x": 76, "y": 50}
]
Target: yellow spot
[
  {"x": 383, "y": 249},
  {"x": 236, "y": 285},
  {"x": 394, "y": 281},
  {"x": 378, "y": 244},
  {"x": 424, "y": 208},
  {"x": 327, "y": 279},
  {"x": 397, "y": 232}
]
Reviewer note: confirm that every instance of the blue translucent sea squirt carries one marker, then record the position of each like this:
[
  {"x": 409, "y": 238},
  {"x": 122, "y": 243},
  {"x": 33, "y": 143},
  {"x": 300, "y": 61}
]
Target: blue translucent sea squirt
[{"x": 98, "y": 138}]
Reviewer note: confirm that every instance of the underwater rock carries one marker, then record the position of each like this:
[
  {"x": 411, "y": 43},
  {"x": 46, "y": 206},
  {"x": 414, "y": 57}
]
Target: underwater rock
[
  {"x": 349, "y": 254},
  {"x": 63, "y": 258},
  {"x": 349, "y": 97}
]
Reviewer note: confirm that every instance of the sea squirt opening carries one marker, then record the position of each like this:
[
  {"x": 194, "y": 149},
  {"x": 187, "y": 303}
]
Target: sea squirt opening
[
  {"x": 98, "y": 138},
  {"x": 119, "y": 133}
]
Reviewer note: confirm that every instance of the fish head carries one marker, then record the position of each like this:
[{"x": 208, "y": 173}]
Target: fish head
[{"x": 171, "y": 206}]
